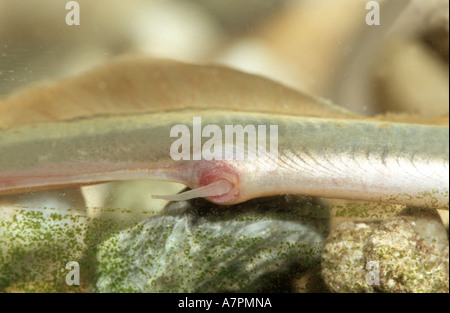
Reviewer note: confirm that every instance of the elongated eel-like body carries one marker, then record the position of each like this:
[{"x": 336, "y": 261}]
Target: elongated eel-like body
[
  {"x": 339, "y": 157},
  {"x": 400, "y": 163}
]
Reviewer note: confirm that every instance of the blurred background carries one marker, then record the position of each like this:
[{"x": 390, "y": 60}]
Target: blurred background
[{"x": 321, "y": 47}]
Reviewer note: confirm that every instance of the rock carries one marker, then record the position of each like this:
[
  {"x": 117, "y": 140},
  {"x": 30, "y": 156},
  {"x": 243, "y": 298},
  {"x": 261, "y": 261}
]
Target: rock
[
  {"x": 40, "y": 233},
  {"x": 35, "y": 246},
  {"x": 207, "y": 251},
  {"x": 306, "y": 210},
  {"x": 408, "y": 261},
  {"x": 401, "y": 254},
  {"x": 343, "y": 260}
]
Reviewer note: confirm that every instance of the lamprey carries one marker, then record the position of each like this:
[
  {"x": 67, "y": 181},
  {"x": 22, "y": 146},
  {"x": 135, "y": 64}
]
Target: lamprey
[{"x": 114, "y": 123}]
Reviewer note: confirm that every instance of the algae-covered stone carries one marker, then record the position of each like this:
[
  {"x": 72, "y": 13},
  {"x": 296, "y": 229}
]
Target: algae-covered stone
[
  {"x": 401, "y": 254},
  {"x": 36, "y": 245},
  {"x": 409, "y": 262},
  {"x": 40, "y": 246},
  {"x": 343, "y": 258},
  {"x": 206, "y": 252}
]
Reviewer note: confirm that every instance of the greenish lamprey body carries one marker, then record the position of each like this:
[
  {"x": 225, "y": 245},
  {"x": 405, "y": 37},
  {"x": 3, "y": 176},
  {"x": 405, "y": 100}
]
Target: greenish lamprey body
[{"x": 339, "y": 158}]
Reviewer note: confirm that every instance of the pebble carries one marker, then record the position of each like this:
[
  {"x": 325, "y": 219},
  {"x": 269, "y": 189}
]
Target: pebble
[
  {"x": 401, "y": 254},
  {"x": 40, "y": 234},
  {"x": 199, "y": 247}
]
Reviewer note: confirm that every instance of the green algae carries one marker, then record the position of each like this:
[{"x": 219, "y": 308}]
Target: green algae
[
  {"x": 36, "y": 245},
  {"x": 187, "y": 253}
]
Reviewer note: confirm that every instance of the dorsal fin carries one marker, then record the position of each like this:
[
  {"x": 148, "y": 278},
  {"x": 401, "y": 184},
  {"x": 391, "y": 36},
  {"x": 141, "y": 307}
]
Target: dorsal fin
[{"x": 131, "y": 85}]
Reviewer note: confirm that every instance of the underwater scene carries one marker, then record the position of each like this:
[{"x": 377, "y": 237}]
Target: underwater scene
[{"x": 218, "y": 146}]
